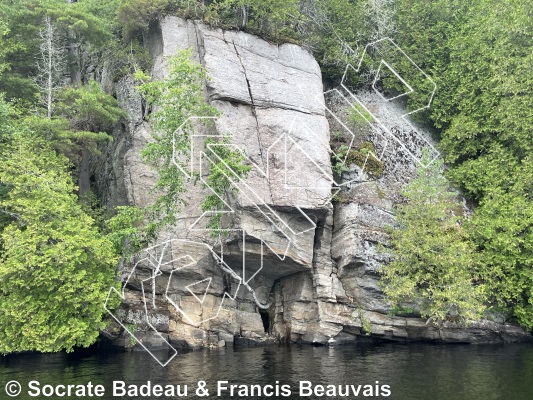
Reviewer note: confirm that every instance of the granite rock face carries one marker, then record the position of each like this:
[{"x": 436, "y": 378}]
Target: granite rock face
[{"x": 294, "y": 267}]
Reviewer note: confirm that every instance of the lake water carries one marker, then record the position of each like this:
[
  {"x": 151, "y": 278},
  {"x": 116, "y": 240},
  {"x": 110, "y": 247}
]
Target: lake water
[{"x": 411, "y": 372}]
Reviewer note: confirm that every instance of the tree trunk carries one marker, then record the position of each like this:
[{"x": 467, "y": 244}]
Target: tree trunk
[
  {"x": 84, "y": 176},
  {"x": 50, "y": 66},
  {"x": 74, "y": 57},
  {"x": 74, "y": 69}
]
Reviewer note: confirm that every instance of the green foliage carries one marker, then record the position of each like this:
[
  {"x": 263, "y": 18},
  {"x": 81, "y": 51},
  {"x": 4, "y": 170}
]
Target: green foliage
[
  {"x": 55, "y": 266},
  {"x": 92, "y": 21},
  {"x": 84, "y": 114},
  {"x": 135, "y": 16},
  {"x": 423, "y": 32},
  {"x": 56, "y": 130},
  {"x": 479, "y": 54},
  {"x": 20, "y": 41},
  {"x": 227, "y": 166},
  {"x": 433, "y": 262},
  {"x": 365, "y": 323},
  {"x": 125, "y": 230},
  {"x": 363, "y": 157},
  {"x": 491, "y": 94},
  {"x": 94, "y": 210},
  {"x": 402, "y": 310},
  {"x": 502, "y": 230},
  {"x": 336, "y": 30},
  {"x": 6, "y": 47},
  {"x": 359, "y": 116},
  {"x": 87, "y": 24},
  {"x": 333, "y": 29},
  {"x": 338, "y": 158},
  {"x": 127, "y": 59},
  {"x": 7, "y": 131},
  {"x": 271, "y": 19},
  {"x": 6, "y": 116},
  {"x": 175, "y": 99},
  {"x": 131, "y": 328},
  {"x": 88, "y": 108}
]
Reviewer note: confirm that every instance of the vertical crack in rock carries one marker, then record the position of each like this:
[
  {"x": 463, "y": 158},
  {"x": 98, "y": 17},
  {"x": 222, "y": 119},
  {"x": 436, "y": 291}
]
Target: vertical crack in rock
[
  {"x": 334, "y": 269},
  {"x": 199, "y": 44},
  {"x": 322, "y": 260},
  {"x": 252, "y": 104},
  {"x": 316, "y": 244}
]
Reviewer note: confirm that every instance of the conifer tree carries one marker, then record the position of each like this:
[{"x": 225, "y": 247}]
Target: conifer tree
[
  {"x": 433, "y": 262},
  {"x": 55, "y": 267}
]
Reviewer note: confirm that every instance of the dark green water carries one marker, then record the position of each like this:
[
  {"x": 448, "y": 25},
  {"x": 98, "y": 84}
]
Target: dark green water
[{"x": 413, "y": 372}]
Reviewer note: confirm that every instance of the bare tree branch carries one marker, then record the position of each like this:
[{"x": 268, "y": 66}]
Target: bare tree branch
[{"x": 52, "y": 64}]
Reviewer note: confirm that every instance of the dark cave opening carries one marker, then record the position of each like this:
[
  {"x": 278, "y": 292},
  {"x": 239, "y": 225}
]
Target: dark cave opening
[{"x": 266, "y": 320}]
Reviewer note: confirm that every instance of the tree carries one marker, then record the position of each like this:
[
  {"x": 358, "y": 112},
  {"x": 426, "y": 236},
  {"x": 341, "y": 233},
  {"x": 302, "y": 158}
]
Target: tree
[
  {"x": 433, "y": 263},
  {"x": 55, "y": 266},
  {"x": 6, "y": 133},
  {"x": 90, "y": 113},
  {"x": 226, "y": 164},
  {"x": 84, "y": 112},
  {"x": 86, "y": 26},
  {"x": 52, "y": 65},
  {"x": 5, "y": 46},
  {"x": 272, "y": 19},
  {"x": 125, "y": 231},
  {"x": 502, "y": 231},
  {"x": 335, "y": 30},
  {"x": 82, "y": 117},
  {"x": 480, "y": 55},
  {"x": 381, "y": 15},
  {"x": 135, "y": 16},
  {"x": 175, "y": 99}
]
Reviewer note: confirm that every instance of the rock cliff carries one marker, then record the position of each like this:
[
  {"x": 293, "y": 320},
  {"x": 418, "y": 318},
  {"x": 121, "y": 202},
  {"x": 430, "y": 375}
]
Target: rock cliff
[{"x": 295, "y": 267}]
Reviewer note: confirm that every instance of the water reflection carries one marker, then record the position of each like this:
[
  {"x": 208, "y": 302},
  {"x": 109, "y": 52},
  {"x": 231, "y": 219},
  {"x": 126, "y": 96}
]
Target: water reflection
[{"x": 412, "y": 371}]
